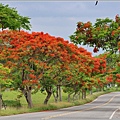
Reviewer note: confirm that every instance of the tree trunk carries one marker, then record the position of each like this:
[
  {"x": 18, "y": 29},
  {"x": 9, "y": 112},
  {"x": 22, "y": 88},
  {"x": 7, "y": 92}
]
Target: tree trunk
[
  {"x": 74, "y": 96},
  {"x": 60, "y": 93},
  {"x": 69, "y": 96},
  {"x": 97, "y": 90},
  {"x": 2, "y": 27},
  {"x": 55, "y": 95},
  {"x": 27, "y": 94},
  {"x": 79, "y": 95},
  {"x": 83, "y": 94},
  {"x": 100, "y": 89},
  {"x": 91, "y": 92},
  {"x": 0, "y": 101},
  {"x": 49, "y": 93},
  {"x": 26, "y": 90},
  {"x": 103, "y": 88}
]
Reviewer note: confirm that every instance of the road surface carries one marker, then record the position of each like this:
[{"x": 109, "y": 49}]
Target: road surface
[{"x": 104, "y": 107}]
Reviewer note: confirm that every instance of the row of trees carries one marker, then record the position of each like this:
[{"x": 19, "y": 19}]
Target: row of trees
[
  {"x": 38, "y": 61},
  {"x": 105, "y": 34}
]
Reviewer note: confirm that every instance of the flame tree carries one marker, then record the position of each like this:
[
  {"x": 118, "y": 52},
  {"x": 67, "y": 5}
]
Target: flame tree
[
  {"x": 105, "y": 34},
  {"x": 39, "y": 60}
]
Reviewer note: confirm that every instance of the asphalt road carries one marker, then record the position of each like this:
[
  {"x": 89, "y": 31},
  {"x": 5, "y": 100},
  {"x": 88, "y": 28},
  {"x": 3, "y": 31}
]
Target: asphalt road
[{"x": 104, "y": 107}]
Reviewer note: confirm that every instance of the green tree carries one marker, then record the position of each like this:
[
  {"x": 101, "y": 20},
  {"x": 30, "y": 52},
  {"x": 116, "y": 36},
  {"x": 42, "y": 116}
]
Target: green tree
[
  {"x": 4, "y": 74},
  {"x": 9, "y": 18},
  {"x": 4, "y": 81}
]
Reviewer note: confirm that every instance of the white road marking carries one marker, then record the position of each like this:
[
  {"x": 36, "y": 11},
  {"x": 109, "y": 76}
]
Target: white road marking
[{"x": 113, "y": 113}]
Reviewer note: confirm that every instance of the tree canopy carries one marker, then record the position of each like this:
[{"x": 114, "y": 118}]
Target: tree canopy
[
  {"x": 9, "y": 18},
  {"x": 105, "y": 34},
  {"x": 38, "y": 59}
]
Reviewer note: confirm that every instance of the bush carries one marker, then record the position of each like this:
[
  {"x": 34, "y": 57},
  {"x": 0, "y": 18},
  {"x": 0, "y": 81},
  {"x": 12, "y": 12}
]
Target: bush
[{"x": 12, "y": 103}]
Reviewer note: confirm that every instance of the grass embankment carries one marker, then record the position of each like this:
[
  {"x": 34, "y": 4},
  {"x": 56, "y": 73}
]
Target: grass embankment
[{"x": 38, "y": 99}]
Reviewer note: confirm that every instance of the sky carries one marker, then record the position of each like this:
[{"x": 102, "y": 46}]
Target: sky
[{"x": 59, "y": 18}]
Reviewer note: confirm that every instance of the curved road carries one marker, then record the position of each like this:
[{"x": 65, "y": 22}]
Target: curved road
[{"x": 104, "y": 107}]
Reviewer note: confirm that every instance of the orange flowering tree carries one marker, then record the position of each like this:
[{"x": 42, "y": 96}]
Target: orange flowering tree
[
  {"x": 40, "y": 61},
  {"x": 112, "y": 67},
  {"x": 99, "y": 71},
  {"x": 34, "y": 59},
  {"x": 118, "y": 79},
  {"x": 79, "y": 76},
  {"x": 80, "y": 73},
  {"x": 33, "y": 56},
  {"x": 116, "y": 73},
  {"x": 17, "y": 51},
  {"x": 105, "y": 34}
]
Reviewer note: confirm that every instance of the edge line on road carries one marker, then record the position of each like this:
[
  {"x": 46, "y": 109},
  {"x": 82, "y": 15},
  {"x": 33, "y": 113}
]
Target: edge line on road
[{"x": 113, "y": 113}]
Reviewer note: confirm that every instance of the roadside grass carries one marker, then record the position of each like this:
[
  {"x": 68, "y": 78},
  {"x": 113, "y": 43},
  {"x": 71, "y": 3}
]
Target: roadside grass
[{"x": 38, "y": 99}]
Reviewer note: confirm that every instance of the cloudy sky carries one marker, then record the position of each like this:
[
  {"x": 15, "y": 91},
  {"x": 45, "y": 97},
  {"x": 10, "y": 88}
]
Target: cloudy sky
[{"x": 59, "y": 18}]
